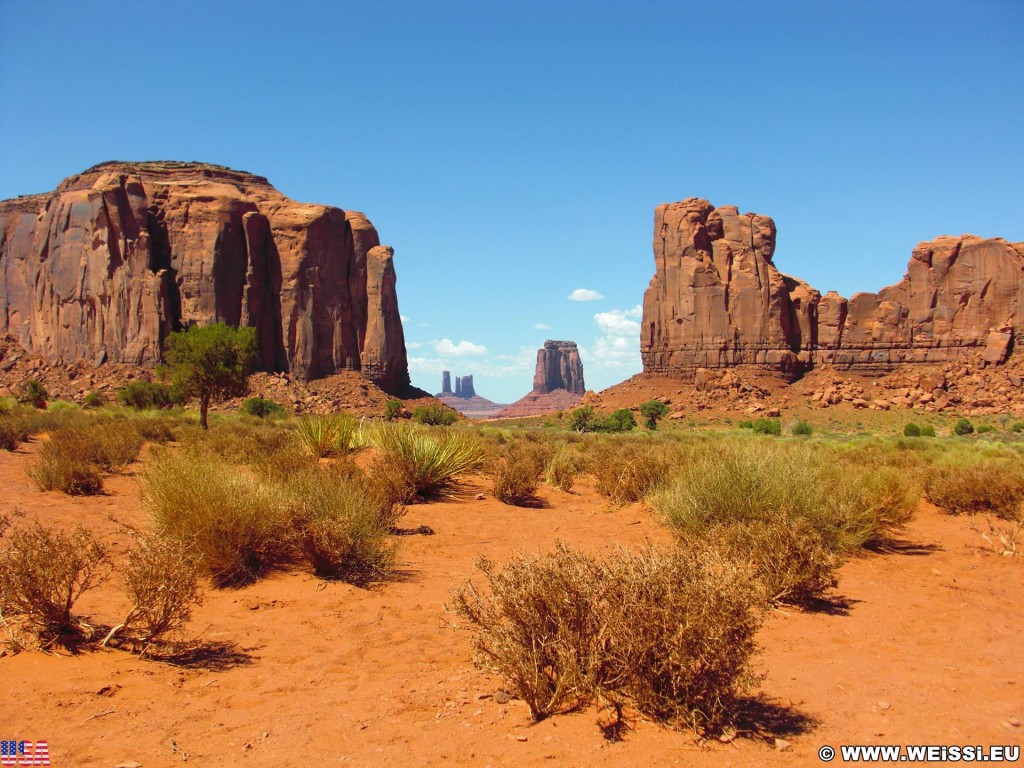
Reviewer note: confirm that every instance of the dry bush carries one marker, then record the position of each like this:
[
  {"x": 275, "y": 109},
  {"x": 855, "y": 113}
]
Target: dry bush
[
  {"x": 342, "y": 526},
  {"x": 281, "y": 464},
  {"x": 236, "y": 523},
  {"x": 432, "y": 458},
  {"x": 393, "y": 480},
  {"x": 967, "y": 483},
  {"x": 680, "y": 629},
  {"x": 539, "y": 626},
  {"x": 59, "y": 467},
  {"x": 12, "y": 431},
  {"x": 515, "y": 476},
  {"x": 672, "y": 631},
  {"x": 628, "y": 471},
  {"x": 43, "y": 573},
  {"x": 156, "y": 429},
  {"x": 239, "y": 443},
  {"x": 564, "y": 466},
  {"x": 162, "y": 582}
]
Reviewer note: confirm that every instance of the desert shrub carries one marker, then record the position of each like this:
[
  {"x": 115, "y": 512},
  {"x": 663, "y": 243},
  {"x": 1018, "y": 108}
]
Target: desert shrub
[
  {"x": 927, "y": 431},
  {"x": 985, "y": 429},
  {"x": 65, "y": 466},
  {"x": 672, "y": 631},
  {"x": 342, "y": 526},
  {"x": 33, "y": 393},
  {"x": 617, "y": 421},
  {"x": 434, "y": 415},
  {"x": 262, "y": 408},
  {"x": 240, "y": 443},
  {"x": 93, "y": 400},
  {"x": 161, "y": 577},
  {"x": 392, "y": 409},
  {"x": 627, "y": 472},
  {"x": 563, "y": 468},
  {"x": 767, "y": 427},
  {"x": 431, "y": 459},
  {"x": 968, "y": 484},
  {"x": 393, "y": 479},
  {"x": 235, "y": 522},
  {"x": 580, "y": 420},
  {"x": 912, "y": 430},
  {"x": 43, "y": 573},
  {"x": 746, "y": 424},
  {"x": 147, "y": 395},
  {"x": 963, "y": 427},
  {"x": 652, "y": 411},
  {"x": 1017, "y": 427},
  {"x": 326, "y": 435},
  {"x": 515, "y": 477},
  {"x": 12, "y": 431},
  {"x": 158, "y": 429},
  {"x": 108, "y": 444},
  {"x": 802, "y": 427}
]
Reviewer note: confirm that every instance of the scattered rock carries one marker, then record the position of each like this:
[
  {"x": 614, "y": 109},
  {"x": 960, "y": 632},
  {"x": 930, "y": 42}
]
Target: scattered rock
[{"x": 503, "y": 697}]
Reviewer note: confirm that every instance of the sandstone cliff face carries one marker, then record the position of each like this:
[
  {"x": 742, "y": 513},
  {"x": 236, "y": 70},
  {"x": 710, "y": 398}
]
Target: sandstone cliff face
[
  {"x": 124, "y": 253},
  {"x": 716, "y": 300},
  {"x": 558, "y": 367}
]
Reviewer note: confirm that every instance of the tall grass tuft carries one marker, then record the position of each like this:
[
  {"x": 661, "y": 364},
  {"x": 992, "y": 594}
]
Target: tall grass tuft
[
  {"x": 329, "y": 435},
  {"x": 432, "y": 459}
]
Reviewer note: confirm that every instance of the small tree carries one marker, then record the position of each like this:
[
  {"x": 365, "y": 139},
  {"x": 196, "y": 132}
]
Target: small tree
[
  {"x": 579, "y": 419},
  {"x": 392, "y": 410},
  {"x": 34, "y": 393},
  {"x": 210, "y": 362},
  {"x": 653, "y": 410},
  {"x": 963, "y": 427}
]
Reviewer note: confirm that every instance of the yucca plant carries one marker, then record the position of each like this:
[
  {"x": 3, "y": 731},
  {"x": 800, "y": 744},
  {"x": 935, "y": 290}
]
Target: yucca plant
[
  {"x": 323, "y": 436},
  {"x": 433, "y": 459}
]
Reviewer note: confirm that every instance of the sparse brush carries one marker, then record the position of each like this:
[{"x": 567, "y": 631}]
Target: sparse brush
[
  {"x": 43, "y": 573},
  {"x": 563, "y": 468},
  {"x": 326, "y": 435},
  {"x": 515, "y": 477},
  {"x": 12, "y": 432},
  {"x": 157, "y": 429},
  {"x": 966, "y": 483},
  {"x": 627, "y": 472},
  {"x": 431, "y": 458},
  {"x": 239, "y": 443},
  {"x": 393, "y": 480},
  {"x": 342, "y": 526},
  {"x": 162, "y": 583},
  {"x": 60, "y": 467},
  {"x": 235, "y": 523}
]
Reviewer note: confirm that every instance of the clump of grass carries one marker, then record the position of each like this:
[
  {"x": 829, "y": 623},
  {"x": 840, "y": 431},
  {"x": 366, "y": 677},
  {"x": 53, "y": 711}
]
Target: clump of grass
[
  {"x": 60, "y": 467},
  {"x": 802, "y": 427},
  {"x": 326, "y": 435},
  {"x": 12, "y": 431},
  {"x": 966, "y": 483},
  {"x": 671, "y": 631},
  {"x": 431, "y": 459},
  {"x": 162, "y": 583},
  {"x": 627, "y": 471},
  {"x": 43, "y": 573},
  {"x": 515, "y": 477},
  {"x": 563, "y": 468},
  {"x": 236, "y": 523},
  {"x": 342, "y": 526}
]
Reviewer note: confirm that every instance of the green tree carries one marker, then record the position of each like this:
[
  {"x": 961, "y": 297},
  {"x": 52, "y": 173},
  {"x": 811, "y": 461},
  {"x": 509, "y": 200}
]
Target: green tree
[
  {"x": 579, "y": 419},
  {"x": 210, "y": 362},
  {"x": 653, "y": 410},
  {"x": 392, "y": 410}
]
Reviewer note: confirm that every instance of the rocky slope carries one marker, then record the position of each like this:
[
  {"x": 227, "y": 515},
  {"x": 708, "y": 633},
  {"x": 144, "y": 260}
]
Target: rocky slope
[
  {"x": 717, "y": 300},
  {"x": 103, "y": 268},
  {"x": 557, "y": 382}
]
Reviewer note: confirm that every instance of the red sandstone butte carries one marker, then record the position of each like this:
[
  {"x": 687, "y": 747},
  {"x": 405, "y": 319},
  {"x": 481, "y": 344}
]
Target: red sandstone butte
[
  {"x": 717, "y": 300},
  {"x": 119, "y": 256},
  {"x": 557, "y": 382}
]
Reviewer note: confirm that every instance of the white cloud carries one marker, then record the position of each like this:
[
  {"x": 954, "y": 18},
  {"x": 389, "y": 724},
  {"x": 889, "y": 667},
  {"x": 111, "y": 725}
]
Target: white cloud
[
  {"x": 412, "y": 345},
  {"x": 584, "y": 294},
  {"x": 403, "y": 318},
  {"x": 448, "y": 347},
  {"x": 426, "y": 365},
  {"x": 618, "y": 322},
  {"x": 541, "y": 327}
]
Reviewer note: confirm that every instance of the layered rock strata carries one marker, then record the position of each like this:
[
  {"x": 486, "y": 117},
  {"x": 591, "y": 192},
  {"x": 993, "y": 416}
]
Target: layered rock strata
[
  {"x": 557, "y": 382},
  {"x": 717, "y": 300},
  {"x": 103, "y": 268}
]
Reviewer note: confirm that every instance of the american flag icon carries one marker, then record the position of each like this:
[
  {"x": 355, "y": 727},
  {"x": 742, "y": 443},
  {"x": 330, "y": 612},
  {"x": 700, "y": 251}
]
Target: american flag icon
[{"x": 24, "y": 753}]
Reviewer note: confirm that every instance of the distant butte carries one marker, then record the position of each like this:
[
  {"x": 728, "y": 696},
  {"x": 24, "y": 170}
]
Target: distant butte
[
  {"x": 465, "y": 399},
  {"x": 557, "y": 382}
]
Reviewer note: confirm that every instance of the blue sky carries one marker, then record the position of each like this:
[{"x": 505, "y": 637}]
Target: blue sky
[{"x": 513, "y": 153}]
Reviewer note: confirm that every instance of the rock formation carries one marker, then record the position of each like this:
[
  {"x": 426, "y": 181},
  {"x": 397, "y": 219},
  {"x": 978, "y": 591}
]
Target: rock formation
[
  {"x": 465, "y": 399},
  {"x": 464, "y": 386},
  {"x": 103, "y": 268},
  {"x": 717, "y": 300},
  {"x": 446, "y": 382},
  {"x": 557, "y": 382}
]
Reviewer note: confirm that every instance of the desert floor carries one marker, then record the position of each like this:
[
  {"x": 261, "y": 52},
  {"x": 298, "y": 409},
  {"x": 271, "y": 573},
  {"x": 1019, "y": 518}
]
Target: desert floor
[{"x": 919, "y": 646}]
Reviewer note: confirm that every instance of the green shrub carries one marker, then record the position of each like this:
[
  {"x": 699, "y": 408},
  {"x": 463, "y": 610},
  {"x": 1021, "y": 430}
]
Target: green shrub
[
  {"x": 237, "y": 524},
  {"x": 326, "y": 435},
  {"x": 802, "y": 428},
  {"x": 43, "y": 573},
  {"x": 434, "y": 415},
  {"x": 432, "y": 460},
  {"x": 927, "y": 431},
  {"x": 653, "y": 411},
  {"x": 746, "y": 424},
  {"x": 262, "y": 408},
  {"x": 580, "y": 419},
  {"x": 342, "y": 526},
  {"x": 767, "y": 427},
  {"x": 33, "y": 393},
  {"x": 392, "y": 409},
  {"x": 911, "y": 430},
  {"x": 671, "y": 631},
  {"x": 963, "y": 427},
  {"x": 618, "y": 421},
  {"x": 93, "y": 400},
  {"x": 146, "y": 395},
  {"x": 1018, "y": 427},
  {"x": 985, "y": 428}
]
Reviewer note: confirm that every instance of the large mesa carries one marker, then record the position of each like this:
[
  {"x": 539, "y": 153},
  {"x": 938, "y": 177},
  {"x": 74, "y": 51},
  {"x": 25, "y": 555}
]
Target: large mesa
[
  {"x": 557, "y": 381},
  {"x": 121, "y": 255}
]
